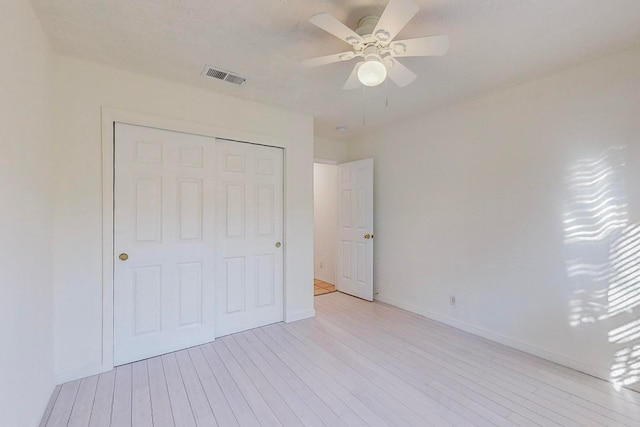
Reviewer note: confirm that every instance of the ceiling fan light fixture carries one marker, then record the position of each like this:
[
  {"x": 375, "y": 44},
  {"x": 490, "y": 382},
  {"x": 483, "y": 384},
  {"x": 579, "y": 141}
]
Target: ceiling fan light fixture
[
  {"x": 373, "y": 41},
  {"x": 372, "y": 73}
]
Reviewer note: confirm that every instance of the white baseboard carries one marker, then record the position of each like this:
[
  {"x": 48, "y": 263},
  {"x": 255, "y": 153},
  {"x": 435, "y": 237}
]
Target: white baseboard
[
  {"x": 509, "y": 342},
  {"x": 324, "y": 279},
  {"x": 87, "y": 371},
  {"x": 300, "y": 315}
]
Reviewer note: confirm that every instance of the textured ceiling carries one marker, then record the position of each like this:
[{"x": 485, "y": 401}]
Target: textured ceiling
[{"x": 494, "y": 43}]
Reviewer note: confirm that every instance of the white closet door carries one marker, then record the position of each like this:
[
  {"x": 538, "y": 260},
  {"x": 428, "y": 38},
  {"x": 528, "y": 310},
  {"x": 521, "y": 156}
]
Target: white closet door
[
  {"x": 249, "y": 204},
  {"x": 164, "y": 242},
  {"x": 355, "y": 228}
]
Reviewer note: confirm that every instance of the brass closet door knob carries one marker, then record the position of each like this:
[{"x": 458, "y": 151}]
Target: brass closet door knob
[
  {"x": 278, "y": 244},
  {"x": 123, "y": 256}
]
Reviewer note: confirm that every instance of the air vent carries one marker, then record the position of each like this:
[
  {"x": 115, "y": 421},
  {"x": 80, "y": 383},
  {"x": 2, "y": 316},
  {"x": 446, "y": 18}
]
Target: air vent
[{"x": 226, "y": 76}]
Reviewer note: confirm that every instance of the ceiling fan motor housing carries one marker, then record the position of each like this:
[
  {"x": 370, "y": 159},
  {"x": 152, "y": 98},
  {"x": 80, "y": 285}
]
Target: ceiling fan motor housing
[
  {"x": 367, "y": 24},
  {"x": 366, "y": 27}
]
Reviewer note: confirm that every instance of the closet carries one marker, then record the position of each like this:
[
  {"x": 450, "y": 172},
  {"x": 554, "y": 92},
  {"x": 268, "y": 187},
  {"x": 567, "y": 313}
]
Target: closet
[{"x": 198, "y": 227}]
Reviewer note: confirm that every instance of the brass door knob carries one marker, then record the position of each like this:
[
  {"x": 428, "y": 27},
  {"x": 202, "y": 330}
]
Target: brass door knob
[
  {"x": 123, "y": 256},
  {"x": 278, "y": 244},
  {"x": 368, "y": 236}
]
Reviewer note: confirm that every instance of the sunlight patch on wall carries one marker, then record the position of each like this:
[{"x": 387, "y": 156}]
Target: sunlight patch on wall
[
  {"x": 595, "y": 212},
  {"x": 597, "y": 205},
  {"x": 625, "y": 370},
  {"x": 604, "y": 267},
  {"x": 624, "y": 285}
]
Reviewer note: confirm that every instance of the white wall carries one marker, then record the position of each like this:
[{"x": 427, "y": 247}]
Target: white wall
[
  {"x": 26, "y": 305},
  {"x": 472, "y": 201},
  {"x": 81, "y": 88},
  {"x": 325, "y": 223},
  {"x": 329, "y": 149}
]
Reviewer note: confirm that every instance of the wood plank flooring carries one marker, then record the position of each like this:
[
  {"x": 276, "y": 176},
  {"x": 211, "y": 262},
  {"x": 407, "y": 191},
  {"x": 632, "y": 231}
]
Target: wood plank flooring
[
  {"x": 321, "y": 288},
  {"x": 355, "y": 364}
]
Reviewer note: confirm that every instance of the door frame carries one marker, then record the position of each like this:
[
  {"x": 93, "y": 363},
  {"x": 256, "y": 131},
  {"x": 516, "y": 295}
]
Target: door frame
[{"x": 110, "y": 115}]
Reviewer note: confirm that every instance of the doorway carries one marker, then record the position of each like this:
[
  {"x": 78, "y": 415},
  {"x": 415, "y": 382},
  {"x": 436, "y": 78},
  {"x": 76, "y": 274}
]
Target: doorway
[
  {"x": 343, "y": 228},
  {"x": 325, "y": 185}
]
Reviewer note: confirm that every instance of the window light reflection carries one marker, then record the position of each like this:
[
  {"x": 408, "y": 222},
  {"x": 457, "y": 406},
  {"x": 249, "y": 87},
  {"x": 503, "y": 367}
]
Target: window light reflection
[{"x": 605, "y": 263}]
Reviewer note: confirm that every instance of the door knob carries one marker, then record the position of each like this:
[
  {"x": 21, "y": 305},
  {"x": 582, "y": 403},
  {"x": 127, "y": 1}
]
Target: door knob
[
  {"x": 368, "y": 236},
  {"x": 278, "y": 244},
  {"x": 123, "y": 256}
]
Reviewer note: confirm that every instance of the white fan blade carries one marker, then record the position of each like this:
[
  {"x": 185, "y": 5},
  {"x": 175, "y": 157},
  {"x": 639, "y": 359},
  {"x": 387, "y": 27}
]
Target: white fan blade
[
  {"x": 394, "y": 18},
  {"x": 332, "y": 26},
  {"x": 423, "y": 46},
  {"x": 400, "y": 74},
  {"x": 329, "y": 59},
  {"x": 353, "y": 82}
]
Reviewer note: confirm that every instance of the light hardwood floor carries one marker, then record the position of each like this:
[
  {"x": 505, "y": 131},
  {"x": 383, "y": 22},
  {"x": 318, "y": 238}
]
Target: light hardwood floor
[
  {"x": 355, "y": 364},
  {"x": 321, "y": 288}
]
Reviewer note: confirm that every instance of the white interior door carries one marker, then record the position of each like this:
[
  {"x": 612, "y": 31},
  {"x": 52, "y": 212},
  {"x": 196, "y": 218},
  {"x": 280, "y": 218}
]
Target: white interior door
[
  {"x": 164, "y": 239},
  {"x": 355, "y": 228},
  {"x": 249, "y": 203}
]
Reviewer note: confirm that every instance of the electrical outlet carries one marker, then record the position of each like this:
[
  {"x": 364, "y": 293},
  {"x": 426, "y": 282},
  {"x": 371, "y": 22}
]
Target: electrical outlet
[{"x": 452, "y": 299}]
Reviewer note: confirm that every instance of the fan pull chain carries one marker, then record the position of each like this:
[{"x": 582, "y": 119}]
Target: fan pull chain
[
  {"x": 364, "y": 106},
  {"x": 386, "y": 92}
]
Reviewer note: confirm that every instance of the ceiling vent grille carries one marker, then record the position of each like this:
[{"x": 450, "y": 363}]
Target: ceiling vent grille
[{"x": 223, "y": 75}]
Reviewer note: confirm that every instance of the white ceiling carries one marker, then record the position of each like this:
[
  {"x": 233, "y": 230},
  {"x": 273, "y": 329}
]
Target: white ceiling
[{"x": 494, "y": 43}]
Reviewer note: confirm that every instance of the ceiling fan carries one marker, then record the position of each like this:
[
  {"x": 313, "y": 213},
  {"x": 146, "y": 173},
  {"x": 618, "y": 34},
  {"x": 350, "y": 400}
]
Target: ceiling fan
[{"x": 373, "y": 41}]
